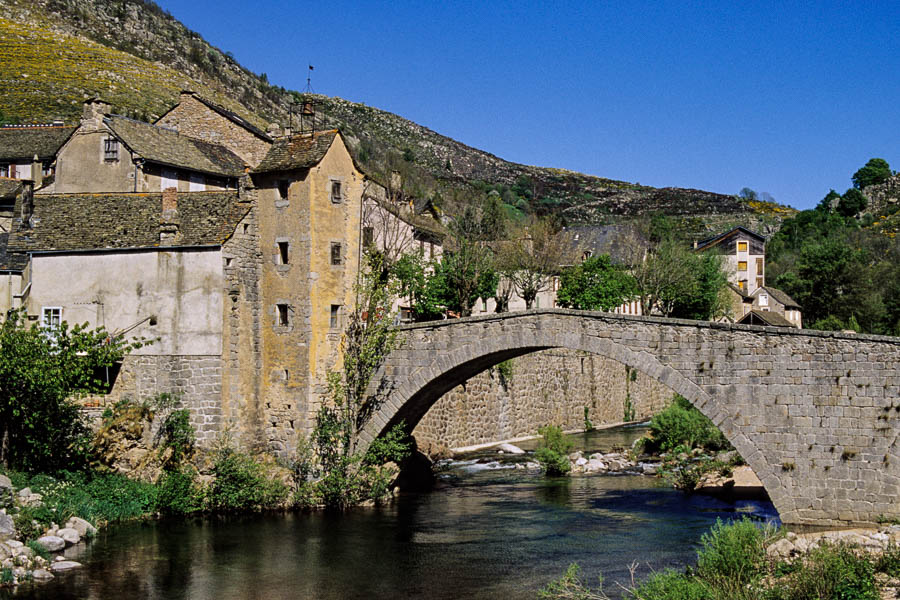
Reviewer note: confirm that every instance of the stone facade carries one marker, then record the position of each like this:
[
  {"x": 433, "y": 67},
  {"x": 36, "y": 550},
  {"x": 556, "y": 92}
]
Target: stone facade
[
  {"x": 195, "y": 117},
  {"x": 551, "y": 386},
  {"x": 197, "y": 380},
  {"x": 815, "y": 414}
]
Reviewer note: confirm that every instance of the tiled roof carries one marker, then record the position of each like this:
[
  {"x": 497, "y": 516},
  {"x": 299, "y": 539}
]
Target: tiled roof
[
  {"x": 760, "y": 317},
  {"x": 10, "y": 262},
  {"x": 9, "y": 189},
  {"x": 596, "y": 239},
  {"x": 782, "y": 298},
  {"x": 67, "y": 222},
  {"x": 297, "y": 152},
  {"x": 167, "y": 147},
  {"x": 717, "y": 239},
  {"x": 26, "y": 141}
]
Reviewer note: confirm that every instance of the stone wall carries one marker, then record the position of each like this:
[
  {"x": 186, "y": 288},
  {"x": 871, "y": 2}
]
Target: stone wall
[
  {"x": 815, "y": 414},
  {"x": 551, "y": 386},
  {"x": 193, "y": 118},
  {"x": 197, "y": 380}
]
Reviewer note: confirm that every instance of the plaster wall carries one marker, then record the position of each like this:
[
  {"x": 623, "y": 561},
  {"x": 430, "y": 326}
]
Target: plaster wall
[
  {"x": 182, "y": 289},
  {"x": 81, "y": 167}
]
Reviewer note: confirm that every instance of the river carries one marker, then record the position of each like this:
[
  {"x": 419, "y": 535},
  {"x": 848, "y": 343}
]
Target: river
[{"x": 484, "y": 532}]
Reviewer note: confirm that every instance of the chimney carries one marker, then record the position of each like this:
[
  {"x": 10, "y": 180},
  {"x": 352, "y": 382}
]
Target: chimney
[
  {"x": 94, "y": 111},
  {"x": 168, "y": 221},
  {"x": 37, "y": 172}
]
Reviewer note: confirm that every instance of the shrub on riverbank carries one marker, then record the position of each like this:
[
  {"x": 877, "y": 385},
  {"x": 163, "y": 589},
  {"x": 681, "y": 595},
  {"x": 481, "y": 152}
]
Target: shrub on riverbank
[
  {"x": 682, "y": 426},
  {"x": 553, "y": 451},
  {"x": 242, "y": 484},
  {"x": 732, "y": 564}
]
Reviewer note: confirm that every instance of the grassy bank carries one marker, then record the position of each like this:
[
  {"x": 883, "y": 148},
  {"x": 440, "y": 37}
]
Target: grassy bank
[{"x": 733, "y": 564}]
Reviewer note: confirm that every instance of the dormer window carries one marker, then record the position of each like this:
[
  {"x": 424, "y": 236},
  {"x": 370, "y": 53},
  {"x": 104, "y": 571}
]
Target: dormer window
[
  {"x": 110, "y": 149},
  {"x": 336, "y": 196}
]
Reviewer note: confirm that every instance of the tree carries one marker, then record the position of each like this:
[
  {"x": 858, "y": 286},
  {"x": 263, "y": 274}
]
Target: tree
[
  {"x": 467, "y": 265},
  {"x": 829, "y": 202},
  {"x": 41, "y": 370},
  {"x": 747, "y": 194},
  {"x": 535, "y": 255},
  {"x": 876, "y": 171},
  {"x": 422, "y": 282},
  {"x": 852, "y": 203},
  {"x": 707, "y": 297},
  {"x": 595, "y": 284}
]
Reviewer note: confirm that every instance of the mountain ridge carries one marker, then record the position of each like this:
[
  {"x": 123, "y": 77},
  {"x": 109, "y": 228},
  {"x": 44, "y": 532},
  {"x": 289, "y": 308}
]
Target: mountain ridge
[{"x": 137, "y": 56}]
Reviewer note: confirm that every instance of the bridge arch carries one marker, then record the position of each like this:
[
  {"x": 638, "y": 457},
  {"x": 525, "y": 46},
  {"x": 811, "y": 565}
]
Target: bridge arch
[{"x": 777, "y": 395}]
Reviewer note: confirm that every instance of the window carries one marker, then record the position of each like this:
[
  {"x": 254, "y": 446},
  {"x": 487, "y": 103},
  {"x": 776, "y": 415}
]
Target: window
[
  {"x": 283, "y": 253},
  {"x": 759, "y": 282},
  {"x": 587, "y": 254},
  {"x": 283, "y": 187},
  {"x": 4, "y": 171},
  {"x": 763, "y": 299},
  {"x": 335, "y": 253},
  {"x": 742, "y": 265},
  {"x": 51, "y": 316},
  {"x": 759, "y": 266},
  {"x": 368, "y": 237},
  {"x": 282, "y": 316},
  {"x": 110, "y": 149},
  {"x": 336, "y": 192},
  {"x": 335, "y": 320},
  {"x": 742, "y": 285},
  {"x": 742, "y": 246}
]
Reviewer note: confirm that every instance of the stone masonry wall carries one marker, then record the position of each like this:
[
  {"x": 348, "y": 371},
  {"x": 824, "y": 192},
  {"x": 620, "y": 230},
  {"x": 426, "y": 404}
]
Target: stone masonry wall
[
  {"x": 197, "y": 380},
  {"x": 815, "y": 414},
  {"x": 193, "y": 118},
  {"x": 551, "y": 386}
]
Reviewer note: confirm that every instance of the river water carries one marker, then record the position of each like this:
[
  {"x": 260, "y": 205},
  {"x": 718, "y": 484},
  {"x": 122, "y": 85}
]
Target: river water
[{"x": 485, "y": 532}]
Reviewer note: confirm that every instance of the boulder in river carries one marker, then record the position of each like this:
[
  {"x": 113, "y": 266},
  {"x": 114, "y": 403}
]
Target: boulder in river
[
  {"x": 42, "y": 575},
  {"x": 83, "y": 528},
  {"x": 64, "y": 565},
  {"x": 70, "y": 536},
  {"x": 510, "y": 449},
  {"x": 52, "y": 543}
]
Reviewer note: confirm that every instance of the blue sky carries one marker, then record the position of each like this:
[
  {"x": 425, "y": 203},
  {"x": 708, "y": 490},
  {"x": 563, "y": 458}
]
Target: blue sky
[{"x": 787, "y": 97}]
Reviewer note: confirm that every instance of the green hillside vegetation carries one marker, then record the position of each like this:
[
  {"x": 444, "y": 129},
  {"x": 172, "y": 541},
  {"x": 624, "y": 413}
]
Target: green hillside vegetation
[
  {"x": 133, "y": 54},
  {"x": 841, "y": 262}
]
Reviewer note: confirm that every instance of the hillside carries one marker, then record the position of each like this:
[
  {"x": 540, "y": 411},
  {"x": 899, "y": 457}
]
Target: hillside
[{"x": 136, "y": 56}]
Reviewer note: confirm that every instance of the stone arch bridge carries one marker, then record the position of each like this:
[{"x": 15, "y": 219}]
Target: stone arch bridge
[{"x": 815, "y": 414}]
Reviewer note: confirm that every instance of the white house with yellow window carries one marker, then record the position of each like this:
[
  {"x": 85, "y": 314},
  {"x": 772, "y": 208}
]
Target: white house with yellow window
[{"x": 745, "y": 257}]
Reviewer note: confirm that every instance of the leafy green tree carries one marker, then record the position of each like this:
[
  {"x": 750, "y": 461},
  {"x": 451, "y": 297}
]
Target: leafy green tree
[
  {"x": 829, "y": 202},
  {"x": 41, "y": 370},
  {"x": 595, "y": 284},
  {"x": 467, "y": 265},
  {"x": 706, "y": 300},
  {"x": 747, "y": 194},
  {"x": 422, "y": 282},
  {"x": 852, "y": 203},
  {"x": 876, "y": 171}
]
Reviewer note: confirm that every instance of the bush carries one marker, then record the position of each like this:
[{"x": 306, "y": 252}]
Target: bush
[
  {"x": 889, "y": 561},
  {"x": 553, "y": 451},
  {"x": 830, "y": 573},
  {"x": 100, "y": 497},
  {"x": 570, "y": 587},
  {"x": 734, "y": 553},
  {"x": 672, "y": 585},
  {"x": 241, "y": 484},
  {"x": 179, "y": 494},
  {"x": 177, "y": 433},
  {"x": 680, "y": 424}
]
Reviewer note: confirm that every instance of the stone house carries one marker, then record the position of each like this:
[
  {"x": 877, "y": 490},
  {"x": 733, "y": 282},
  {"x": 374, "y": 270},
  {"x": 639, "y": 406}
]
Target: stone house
[
  {"x": 766, "y": 301},
  {"x": 112, "y": 153},
  {"x": 745, "y": 256},
  {"x": 29, "y": 151},
  {"x": 198, "y": 118},
  {"x": 245, "y": 291}
]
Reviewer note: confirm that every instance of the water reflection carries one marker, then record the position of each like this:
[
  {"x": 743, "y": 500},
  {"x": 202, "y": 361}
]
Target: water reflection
[{"x": 489, "y": 534}]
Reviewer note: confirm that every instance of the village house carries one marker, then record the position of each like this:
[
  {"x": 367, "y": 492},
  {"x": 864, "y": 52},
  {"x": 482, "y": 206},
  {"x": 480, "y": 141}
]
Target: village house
[
  {"x": 29, "y": 151},
  {"x": 112, "y": 153}
]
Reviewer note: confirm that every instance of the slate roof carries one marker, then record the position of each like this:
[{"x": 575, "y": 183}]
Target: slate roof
[
  {"x": 760, "y": 317},
  {"x": 23, "y": 142},
  {"x": 10, "y": 262},
  {"x": 297, "y": 152},
  {"x": 596, "y": 239},
  {"x": 782, "y": 297},
  {"x": 718, "y": 239},
  {"x": 71, "y": 222},
  {"x": 167, "y": 147},
  {"x": 9, "y": 189}
]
